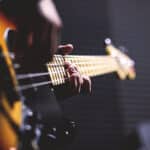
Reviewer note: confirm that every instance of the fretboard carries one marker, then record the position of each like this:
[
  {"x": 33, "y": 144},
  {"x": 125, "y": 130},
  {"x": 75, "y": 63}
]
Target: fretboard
[{"x": 86, "y": 65}]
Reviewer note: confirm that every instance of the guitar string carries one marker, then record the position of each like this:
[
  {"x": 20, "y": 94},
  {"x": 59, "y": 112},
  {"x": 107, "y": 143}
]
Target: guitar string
[
  {"x": 38, "y": 84},
  {"x": 31, "y": 75},
  {"x": 35, "y": 85},
  {"x": 40, "y": 74}
]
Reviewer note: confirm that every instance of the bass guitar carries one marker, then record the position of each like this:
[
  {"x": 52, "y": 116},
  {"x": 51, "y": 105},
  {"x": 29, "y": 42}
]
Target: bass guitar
[{"x": 12, "y": 91}]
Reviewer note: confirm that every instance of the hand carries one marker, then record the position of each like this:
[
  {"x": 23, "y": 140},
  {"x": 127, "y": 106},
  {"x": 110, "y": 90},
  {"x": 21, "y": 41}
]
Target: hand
[{"x": 78, "y": 82}]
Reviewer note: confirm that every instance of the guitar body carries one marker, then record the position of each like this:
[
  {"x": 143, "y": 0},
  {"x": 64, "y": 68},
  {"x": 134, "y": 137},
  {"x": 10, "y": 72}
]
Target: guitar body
[
  {"x": 9, "y": 137},
  {"x": 10, "y": 113},
  {"x": 41, "y": 100}
]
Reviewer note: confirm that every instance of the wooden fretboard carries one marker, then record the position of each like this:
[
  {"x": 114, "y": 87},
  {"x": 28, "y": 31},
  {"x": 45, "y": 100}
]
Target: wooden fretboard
[{"x": 87, "y": 65}]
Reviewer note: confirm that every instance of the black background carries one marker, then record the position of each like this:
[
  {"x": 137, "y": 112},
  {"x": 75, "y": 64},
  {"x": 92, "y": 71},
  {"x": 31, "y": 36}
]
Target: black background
[{"x": 115, "y": 107}]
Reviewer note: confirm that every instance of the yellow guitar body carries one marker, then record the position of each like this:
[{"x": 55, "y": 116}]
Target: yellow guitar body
[{"x": 9, "y": 138}]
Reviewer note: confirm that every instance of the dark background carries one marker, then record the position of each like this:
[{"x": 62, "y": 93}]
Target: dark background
[{"x": 115, "y": 107}]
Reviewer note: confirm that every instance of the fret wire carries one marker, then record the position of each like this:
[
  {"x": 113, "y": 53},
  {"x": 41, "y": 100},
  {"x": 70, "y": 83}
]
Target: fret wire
[
  {"x": 51, "y": 72},
  {"x": 58, "y": 74},
  {"x": 54, "y": 75},
  {"x": 61, "y": 60},
  {"x": 62, "y": 68},
  {"x": 59, "y": 70}
]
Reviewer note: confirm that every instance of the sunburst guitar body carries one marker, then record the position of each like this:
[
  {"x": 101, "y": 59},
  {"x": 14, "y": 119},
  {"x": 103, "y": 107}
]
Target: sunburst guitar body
[{"x": 10, "y": 104}]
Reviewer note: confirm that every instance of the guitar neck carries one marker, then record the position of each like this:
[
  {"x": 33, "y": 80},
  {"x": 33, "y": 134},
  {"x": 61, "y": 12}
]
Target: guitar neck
[
  {"x": 86, "y": 65},
  {"x": 93, "y": 65}
]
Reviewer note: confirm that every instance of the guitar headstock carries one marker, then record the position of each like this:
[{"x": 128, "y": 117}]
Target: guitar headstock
[{"x": 125, "y": 65}]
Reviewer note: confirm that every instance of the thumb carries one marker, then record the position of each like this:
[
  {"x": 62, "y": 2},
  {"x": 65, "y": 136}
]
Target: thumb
[{"x": 65, "y": 49}]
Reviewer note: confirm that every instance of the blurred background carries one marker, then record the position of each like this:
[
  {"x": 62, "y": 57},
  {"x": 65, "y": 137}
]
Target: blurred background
[{"x": 109, "y": 118}]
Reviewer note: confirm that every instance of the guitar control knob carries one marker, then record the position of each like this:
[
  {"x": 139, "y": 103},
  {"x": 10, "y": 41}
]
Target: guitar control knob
[
  {"x": 17, "y": 66},
  {"x": 58, "y": 136},
  {"x": 30, "y": 130},
  {"x": 12, "y": 55}
]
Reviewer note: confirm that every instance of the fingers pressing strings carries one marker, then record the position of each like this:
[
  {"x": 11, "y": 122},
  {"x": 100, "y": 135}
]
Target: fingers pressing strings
[{"x": 77, "y": 81}]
